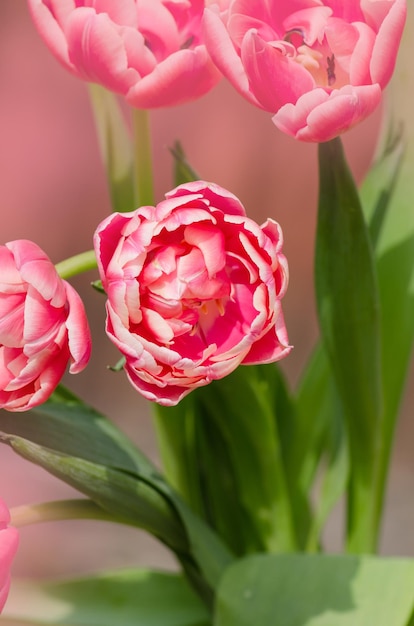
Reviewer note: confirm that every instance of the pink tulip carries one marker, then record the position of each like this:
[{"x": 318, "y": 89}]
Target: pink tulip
[
  {"x": 194, "y": 289},
  {"x": 8, "y": 545},
  {"x": 150, "y": 51},
  {"x": 43, "y": 326},
  {"x": 318, "y": 65}
]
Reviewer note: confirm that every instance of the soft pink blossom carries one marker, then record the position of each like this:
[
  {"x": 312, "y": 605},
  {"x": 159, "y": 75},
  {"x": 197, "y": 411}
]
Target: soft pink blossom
[
  {"x": 194, "y": 289},
  {"x": 43, "y": 326},
  {"x": 150, "y": 51},
  {"x": 9, "y": 539},
  {"x": 318, "y": 65}
]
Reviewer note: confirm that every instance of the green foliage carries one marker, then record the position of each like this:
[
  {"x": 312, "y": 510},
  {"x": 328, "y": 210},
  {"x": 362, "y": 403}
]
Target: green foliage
[
  {"x": 316, "y": 590},
  {"x": 83, "y": 448},
  {"x": 123, "y": 598},
  {"x": 234, "y": 458},
  {"x": 183, "y": 172}
]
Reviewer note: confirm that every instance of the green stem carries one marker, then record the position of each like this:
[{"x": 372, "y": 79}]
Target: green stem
[
  {"x": 58, "y": 510},
  {"x": 143, "y": 178},
  {"x": 77, "y": 264}
]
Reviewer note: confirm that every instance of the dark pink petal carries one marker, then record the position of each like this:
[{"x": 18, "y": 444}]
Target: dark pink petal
[
  {"x": 167, "y": 395},
  {"x": 311, "y": 21},
  {"x": 274, "y": 78},
  {"x": 273, "y": 346},
  {"x": 79, "y": 338},
  {"x": 215, "y": 194}
]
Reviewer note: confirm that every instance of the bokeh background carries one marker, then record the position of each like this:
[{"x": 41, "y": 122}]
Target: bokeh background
[{"x": 53, "y": 191}]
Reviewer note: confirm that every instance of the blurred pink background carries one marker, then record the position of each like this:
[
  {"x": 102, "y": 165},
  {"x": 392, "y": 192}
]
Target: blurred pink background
[{"x": 53, "y": 190}]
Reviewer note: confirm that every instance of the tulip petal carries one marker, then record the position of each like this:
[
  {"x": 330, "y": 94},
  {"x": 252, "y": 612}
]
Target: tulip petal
[
  {"x": 319, "y": 116},
  {"x": 386, "y": 45}
]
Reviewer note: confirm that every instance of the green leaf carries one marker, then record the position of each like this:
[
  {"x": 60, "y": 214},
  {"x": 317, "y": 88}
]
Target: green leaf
[
  {"x": 316, "y": 590},
  {"x": 381, "y": 183},
  {"x": 115, "y": 146},
  {"x": 124, "y": 598},
  {"x": 222, "y": 451},
  {"x": 183, "y": 172},
  {"x": 319, "y": 409},
  {"x": 68, "y": 426},
  {"x": 348, "y": 310},
  {"x": 116, "y": 475},
  {"x": 240, "y": 411},
  {"x": 127, "y": 498}
]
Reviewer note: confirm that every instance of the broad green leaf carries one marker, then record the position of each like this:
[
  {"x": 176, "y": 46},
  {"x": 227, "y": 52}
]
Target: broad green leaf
[
  {"x": 316, "y": 590},
  {"x": 318, "y": 406},
  {"x": 396, "y": 257},
  {"x": 115, "y": 146},
  {"x": 348, "y": 311},
  {"x": 83, "y": 448},
  {"x": 240, "y": 409},
  {"x": 224, "y": 454},
  {"x": 68, "y": 426},
  {"x": 127, "y": 498},
  {"x": 123, "y": 598}
]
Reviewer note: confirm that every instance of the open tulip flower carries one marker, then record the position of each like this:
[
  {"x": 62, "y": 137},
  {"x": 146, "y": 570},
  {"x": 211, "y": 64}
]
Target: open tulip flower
[
  {"x": 43, "y": 326},
  {"x": 319, "y": 65},
  {"x": 8, "y": 546},
  {"x": 150, "y": 51},
  {"x": 194, "y": 289}
]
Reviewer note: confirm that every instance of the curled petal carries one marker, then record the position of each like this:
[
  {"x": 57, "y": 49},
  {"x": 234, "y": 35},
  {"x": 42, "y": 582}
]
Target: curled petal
[
  {"x": 319, "y": 116},
  {"x": 386, "y": 45},
  {"x": 181, "y": 77}
]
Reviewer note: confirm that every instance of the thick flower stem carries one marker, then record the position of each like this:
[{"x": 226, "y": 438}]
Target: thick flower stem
[
  {"x": 77, "y": 264},
  {"x": 143, "y": 177}
]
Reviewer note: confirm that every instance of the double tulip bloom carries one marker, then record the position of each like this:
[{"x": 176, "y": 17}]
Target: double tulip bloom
[
  {"x": 150, "y": 51},
  {"x": 318, "y": 65},
  {"x": 194, "y": 289},
  {"x": 8, "y": 546},
  {"x": 43, "y": 327}
]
